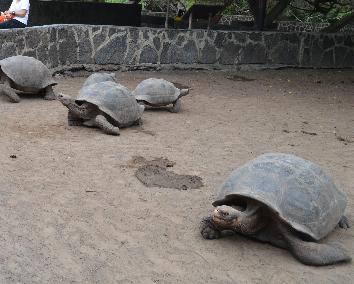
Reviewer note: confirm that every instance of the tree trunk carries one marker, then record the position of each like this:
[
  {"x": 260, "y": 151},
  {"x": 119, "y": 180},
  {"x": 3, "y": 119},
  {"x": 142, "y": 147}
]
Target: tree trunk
[
  {"x": 338, "y": 25},
  {"x": 261, "y": 13},
  {"x": 253, "y": 8},
  {"x": 276, "y": 11}
]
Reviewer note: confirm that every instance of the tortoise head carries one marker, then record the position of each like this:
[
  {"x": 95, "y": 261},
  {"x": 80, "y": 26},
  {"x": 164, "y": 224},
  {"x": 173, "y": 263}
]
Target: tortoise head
[
  {"x": 226, "y": 217},
  {"x": 246, "y": 220},
  {"x": 184, "y": 92},
  {"x": 83, "y": 111},
  {"x": 65, "y": 99}
]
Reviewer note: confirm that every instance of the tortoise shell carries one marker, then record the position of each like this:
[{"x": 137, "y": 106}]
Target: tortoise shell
[
  {"x": 99, "y": 77},
  {"x": 297, "y": 190},
  {"x": 27, "y": 72},
  {"x": 157, "y": 92},
  {"x": 114, "y": 100}
]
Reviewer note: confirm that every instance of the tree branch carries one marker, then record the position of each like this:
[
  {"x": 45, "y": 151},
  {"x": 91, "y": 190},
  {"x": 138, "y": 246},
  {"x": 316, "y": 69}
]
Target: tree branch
[{"x": 276, "y": 11}]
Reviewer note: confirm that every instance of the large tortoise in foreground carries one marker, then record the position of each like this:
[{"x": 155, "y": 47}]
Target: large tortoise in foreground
[
  {"x": 106, "y": 105},
  {"x": 25, "y": 75},
  {"x": 283, "y": 200}
]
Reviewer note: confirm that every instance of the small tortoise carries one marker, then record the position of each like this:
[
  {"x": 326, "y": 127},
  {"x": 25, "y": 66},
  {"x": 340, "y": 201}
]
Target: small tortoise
[
  {"x": 159, "y": 92},
  {"x": 25, "y": 75},
  {"x": 283, "y": 200},
  {"x": 99, "y": 77},
  {"x": 106, "y": 105}
]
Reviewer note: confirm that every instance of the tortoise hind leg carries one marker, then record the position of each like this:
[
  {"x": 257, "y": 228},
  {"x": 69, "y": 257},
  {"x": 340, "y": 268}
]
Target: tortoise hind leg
[
  {"x": 311, "y": 253},
  {"x": 49, "y": 94},
  {"x": 344, "y": 223},
  {"x": 102, "y": 123},
  {"x": 10, "y": 93}
]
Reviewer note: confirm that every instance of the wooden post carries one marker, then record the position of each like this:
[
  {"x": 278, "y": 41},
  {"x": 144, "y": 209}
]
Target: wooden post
[
  {"x": 167, "y": 14},
  {"x": 190, "y": 20},
  {"x": 209, "y": 20},
  {"x": 260, "y": 13}
]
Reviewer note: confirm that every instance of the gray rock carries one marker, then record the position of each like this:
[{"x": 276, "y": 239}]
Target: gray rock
[
  {"x": 148, "y": 55},
  {"x": 113, "y": 52}
]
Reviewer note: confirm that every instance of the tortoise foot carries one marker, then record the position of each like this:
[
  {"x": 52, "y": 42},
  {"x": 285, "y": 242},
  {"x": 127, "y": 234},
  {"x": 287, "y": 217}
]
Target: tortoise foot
[
  {"x": 208, "y": 230},
  {"x": 176, "y": 107},
  {"x": 344, "y": 223}
]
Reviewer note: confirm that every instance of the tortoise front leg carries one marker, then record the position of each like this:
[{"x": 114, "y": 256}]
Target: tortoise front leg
[
  {"x": 176, "y": 106},
  {"x": 74, "y": 120},
  {"x": 344, "y": 223},
  {"x": 10, "y": 93},
  {"x": 138, "y": 122},
  {"x": 208, "y": 229},
  {"x": 102, "y": 123},
  {"x": 49, "y": 93}
]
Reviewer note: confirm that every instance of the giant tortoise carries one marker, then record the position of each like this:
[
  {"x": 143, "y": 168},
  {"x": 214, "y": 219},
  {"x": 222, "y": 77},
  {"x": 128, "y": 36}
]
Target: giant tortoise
[
  {"x": 25, "y": 75},
  {"x": 284, "y": 200},
  {"x": 106, "y": 105},
  {"x": 159, "y": 92}
]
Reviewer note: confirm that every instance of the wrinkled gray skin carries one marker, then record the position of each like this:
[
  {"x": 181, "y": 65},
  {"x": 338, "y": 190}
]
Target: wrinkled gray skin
[
  {"x": 159, "y": 92},
  {"x": 105, "y": 105},
  {"x": 99, "y": 77},
  {"x": 237, "y": 212},
  {"x": 25, "y": 75}
]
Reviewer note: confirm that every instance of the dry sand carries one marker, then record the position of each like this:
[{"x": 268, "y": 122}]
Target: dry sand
[{"x": 72, "y": 210}]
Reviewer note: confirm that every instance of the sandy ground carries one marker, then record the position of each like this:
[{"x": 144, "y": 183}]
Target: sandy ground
[{"x": 72, "y": 210}]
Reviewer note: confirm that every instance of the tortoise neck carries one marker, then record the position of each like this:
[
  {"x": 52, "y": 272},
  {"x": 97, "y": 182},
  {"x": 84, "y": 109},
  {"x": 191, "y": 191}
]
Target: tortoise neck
[
  {"x": 252, "y": 219},
  {"x": 81, "y": 111}
]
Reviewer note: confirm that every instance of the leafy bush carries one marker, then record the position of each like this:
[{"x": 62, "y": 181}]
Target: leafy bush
[{"x": 301, "y": 10}]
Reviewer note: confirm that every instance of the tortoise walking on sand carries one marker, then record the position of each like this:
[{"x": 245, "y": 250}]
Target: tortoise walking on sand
[
  {"x": 106, "y": 105},
  {"x": 159, "y": 92},
  {"x": 25, "y": 75},
  {"x": 283, "y": 200}
]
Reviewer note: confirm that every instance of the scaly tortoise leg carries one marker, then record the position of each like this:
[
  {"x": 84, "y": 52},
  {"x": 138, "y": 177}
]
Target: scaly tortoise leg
[
  {"x": 176, "y": 106},
  {"x": 312, "y": 253},
  {"x": 208, "y": 230},
  {"x": 344, "y": 223},
  {"x": 49, "y": 94},
  {"x": 10, "y": 93},
  {"x": 73, "y": 120},
  {"x": 102, "y": 123}
]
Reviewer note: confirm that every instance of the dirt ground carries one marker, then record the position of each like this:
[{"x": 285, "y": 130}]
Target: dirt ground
[{"x": 72, "y": 210}]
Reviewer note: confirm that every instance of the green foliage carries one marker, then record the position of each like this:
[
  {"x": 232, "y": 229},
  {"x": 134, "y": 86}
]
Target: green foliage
[
  {"x": 237, "y": 7},
  {"x": 302, "y": 10},
  {"x": 116, "y": 1},
  {"x": 320, "y": 10}
]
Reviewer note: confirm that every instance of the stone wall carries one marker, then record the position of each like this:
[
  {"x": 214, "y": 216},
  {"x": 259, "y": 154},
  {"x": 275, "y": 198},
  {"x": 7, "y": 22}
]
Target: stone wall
[{"x": 68, "y": 45}]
